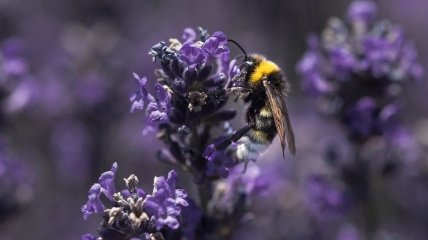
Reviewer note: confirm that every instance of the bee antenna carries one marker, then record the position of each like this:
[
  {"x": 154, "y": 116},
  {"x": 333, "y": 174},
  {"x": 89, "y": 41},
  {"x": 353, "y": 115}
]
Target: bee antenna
[{"x": 239, "y": 46}]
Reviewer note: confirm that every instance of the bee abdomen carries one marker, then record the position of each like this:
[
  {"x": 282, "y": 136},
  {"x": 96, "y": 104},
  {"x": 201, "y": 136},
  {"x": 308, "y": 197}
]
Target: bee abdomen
[{"x": 256, "y": 140}]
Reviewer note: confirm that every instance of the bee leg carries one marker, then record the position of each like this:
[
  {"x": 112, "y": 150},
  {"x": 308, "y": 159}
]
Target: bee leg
[
  {"x": 234, "y": 137},
  {"x": 238, "y": 91},
  {"x": 245, "y": 166}
]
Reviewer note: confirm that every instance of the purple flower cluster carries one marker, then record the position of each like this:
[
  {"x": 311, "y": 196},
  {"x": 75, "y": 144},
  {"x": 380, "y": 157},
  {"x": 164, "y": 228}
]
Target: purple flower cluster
[
  {"x": 16, "y": 178},
  {"x": 358, "y": 68},
  {"x": 189, "y": 101},
  {"x": 325, "y": 199},
  {"x": 16, "y": 81},
  {"x": 187, "y": 111},
  {"x": 12, "y": 62},
  {"x": 133, "y": 213}
]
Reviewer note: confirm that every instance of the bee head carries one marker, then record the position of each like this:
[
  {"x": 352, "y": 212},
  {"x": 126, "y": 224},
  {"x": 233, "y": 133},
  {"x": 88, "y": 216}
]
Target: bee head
[
  {"x": 247, "y": 65},
  {"x": 253, "y": 69}
]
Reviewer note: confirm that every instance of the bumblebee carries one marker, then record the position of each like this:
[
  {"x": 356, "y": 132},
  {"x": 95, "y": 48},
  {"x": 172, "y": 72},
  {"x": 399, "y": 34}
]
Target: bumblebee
[{"x": 261, "y": 83}]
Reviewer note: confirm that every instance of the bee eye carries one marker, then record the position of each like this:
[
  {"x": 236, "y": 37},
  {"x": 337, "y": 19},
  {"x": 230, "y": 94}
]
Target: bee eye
[{"x": 246, "y": 65}]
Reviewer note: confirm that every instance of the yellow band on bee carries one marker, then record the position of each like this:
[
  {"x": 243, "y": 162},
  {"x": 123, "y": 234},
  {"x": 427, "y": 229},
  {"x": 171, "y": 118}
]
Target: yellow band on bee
[
  {"x": 263, "y": 69},
  {"x": 265, "y": 112},
  {"x": 259, "y": 135}
]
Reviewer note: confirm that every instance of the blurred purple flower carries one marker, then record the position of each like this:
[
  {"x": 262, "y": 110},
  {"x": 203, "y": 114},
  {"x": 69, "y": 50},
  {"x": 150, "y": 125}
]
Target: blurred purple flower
[
  {"x": 235, "y": 193},
  {"x": 310, "y": 67},
  {"x": 191, "y": 218},
  {"x": 323, "y": 198},
  {"x": 361, "y": 118},
  {"x": 16, "y": 81},
  {"x": 348, "y": 232},
  {"x": 88, "y": 237},
  {"x": 189, "y": 35},
  {"x": 12, "y": 62},
  {"x": 253, "y": 182},
  {"x": 342, "y": 60},
  {"x": 364, "y": 10},
  {"x": 354, "y": 62}
]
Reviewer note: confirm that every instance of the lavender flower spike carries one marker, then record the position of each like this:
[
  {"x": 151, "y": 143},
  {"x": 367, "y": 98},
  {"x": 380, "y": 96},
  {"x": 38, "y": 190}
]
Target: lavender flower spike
[
  {"x": 133, "y": 214},
  {"x": 356, "y": 60},
  {"x": 189, "y": 99}
]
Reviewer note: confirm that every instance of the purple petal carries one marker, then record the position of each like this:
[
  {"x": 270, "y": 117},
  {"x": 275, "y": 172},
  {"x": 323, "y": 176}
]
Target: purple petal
[
  {"x": 341, "y": 59},
  {"x": 151, "y": 107},
  {"x": 94, "y": 204},
  {"x": 220, "y": 36},
  {"x": 172, "y": 179},
  {"x": 189, "y": 35},
  {"x": 136, "y": 104},
  {"x": 88, "y": 237},
  {"x": 158, "y": 117},
  {"x": 126, "y": 193},
  {"x": 163, "y": 97},
  {"x": 211, "y": 45},
  {"x": 151, "y": 206},
  {"x": 169, "y": 221},
  {"x": 192, "y": 55},
  {"x": 362, "y": 11},
  {"x": 106, "y": 181}
]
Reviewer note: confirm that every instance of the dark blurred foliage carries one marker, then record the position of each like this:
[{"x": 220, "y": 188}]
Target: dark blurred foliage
[{"x": 66, "y": 118}]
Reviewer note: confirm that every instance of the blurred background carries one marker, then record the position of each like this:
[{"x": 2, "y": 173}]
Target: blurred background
[{"x": 65, "y": 107}]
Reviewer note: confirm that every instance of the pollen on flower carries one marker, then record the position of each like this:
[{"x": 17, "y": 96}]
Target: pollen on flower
[{"x": 197, "y": 100}]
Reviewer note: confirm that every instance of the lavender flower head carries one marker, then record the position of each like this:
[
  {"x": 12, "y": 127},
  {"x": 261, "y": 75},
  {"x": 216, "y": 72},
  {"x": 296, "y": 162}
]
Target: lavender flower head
[
  {"x": 12, "y": 63},
  {"x": 16, "y": 82},
  {"x": 188, "y": 101},
  {"x": 358, "y": 68},
  {"x": 133, "y": 214}
]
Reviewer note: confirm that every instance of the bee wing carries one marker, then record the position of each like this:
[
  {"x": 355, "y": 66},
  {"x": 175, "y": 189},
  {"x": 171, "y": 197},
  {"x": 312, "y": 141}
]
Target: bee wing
[{"x": 280, "y": 116}]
